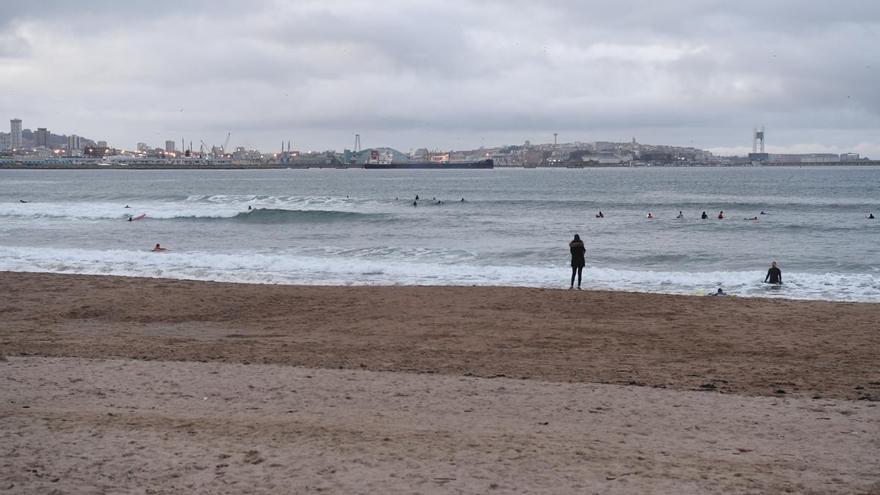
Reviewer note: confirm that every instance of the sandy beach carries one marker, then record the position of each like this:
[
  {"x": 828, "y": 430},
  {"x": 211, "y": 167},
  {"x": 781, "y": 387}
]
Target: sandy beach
[{"x": 115, "y": 384}]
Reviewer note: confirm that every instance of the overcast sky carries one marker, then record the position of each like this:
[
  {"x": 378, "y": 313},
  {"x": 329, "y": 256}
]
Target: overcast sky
[{"x": 447, "y": 74}]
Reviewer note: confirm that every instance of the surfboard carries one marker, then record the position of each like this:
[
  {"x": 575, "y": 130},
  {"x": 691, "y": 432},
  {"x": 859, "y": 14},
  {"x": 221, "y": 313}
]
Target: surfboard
[{"x": 139, "y": 217}]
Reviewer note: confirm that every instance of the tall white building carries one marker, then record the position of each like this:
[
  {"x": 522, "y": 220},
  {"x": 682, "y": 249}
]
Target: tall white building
[
  {"x": 169, "y": 146},
  {"x": 74, "y": 142},
  {"x": 15, "y": 134}
]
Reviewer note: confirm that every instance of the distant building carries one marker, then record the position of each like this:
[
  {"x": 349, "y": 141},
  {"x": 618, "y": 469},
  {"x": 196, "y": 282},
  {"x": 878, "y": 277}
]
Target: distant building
[
  {"x": 169, "y": 146},
  {"x": 74, "y": 142},
  {"x": 41, "y": 137},
  {"x": 142, "y": 147},
  {"x": 102, "y": 144},
  {"x": 95, "y": 151},
  {"x": 15, "y": 134},
  {"x": 4, "y": 142},
  {"x": 849, "y": 157}
]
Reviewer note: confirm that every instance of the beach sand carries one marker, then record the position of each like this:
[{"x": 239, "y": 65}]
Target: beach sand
[{"x": 116, "y": 384}]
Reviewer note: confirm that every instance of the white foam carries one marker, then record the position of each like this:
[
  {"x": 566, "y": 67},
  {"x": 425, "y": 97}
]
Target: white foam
[
  {"x": 294, "y": 268},
  {"x": 216, "y": 206}
]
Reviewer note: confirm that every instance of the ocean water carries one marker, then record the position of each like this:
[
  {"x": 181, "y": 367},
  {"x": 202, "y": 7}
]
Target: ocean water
[{"x": 359, "y": 227}]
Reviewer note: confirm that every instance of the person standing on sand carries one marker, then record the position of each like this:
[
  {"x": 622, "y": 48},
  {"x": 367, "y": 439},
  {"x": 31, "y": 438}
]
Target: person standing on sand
[{"x": 578, "y": 251}]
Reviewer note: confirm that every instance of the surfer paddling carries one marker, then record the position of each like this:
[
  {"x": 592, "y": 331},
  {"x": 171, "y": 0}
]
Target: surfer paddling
[{"x": 158, "y": 248}]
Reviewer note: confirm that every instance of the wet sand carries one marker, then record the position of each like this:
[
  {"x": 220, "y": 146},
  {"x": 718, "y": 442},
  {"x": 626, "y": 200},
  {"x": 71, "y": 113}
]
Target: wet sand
[{"x": 123, "y": 384}]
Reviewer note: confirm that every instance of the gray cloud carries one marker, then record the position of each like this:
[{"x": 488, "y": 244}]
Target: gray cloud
[{"x": 447, "y": 73}]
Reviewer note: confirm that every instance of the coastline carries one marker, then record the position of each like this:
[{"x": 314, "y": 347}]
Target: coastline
[
  {"x": 130, "y": 384},
  {"x": 747, "y": 346}
]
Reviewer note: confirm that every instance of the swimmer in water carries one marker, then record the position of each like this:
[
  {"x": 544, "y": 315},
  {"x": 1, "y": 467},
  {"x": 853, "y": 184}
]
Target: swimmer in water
[
  {"x": 763, "y": 213},
  {"x": 650, "y": 216},
  {"x": 721, "y": 215},
  {"x": 600, "y": 215},
  {"x": 680, "y": 215},
  {"x": 158, "y": 248},
  {"x": 704, "y": 216},
  {"x": 774, "y": 275},
  {"x": 751, "y": 219},
  {"x": 127, "y": 206},
  {"x": 870, "y": 216}
]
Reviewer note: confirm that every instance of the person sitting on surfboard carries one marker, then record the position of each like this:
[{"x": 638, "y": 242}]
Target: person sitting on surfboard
[{"x": 158, "y": 248}]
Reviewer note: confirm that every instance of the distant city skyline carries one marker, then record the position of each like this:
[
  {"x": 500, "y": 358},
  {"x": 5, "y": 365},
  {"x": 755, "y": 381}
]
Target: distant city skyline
[{"x": 446, "y": 75}]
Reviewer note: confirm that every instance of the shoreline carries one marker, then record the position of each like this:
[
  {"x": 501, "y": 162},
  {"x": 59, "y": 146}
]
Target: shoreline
[
  {"x": 770, "y": 296},
  {"x": 130, "y": 384},
  {"x": 751, "y": 346}
]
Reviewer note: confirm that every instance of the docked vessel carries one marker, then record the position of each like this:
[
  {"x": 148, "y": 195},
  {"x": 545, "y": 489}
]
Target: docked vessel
[{"x": 481, "y": 164}]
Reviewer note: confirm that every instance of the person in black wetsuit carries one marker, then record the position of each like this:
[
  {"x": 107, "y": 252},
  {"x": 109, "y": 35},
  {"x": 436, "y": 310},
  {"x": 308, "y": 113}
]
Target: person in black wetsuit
[
  {"x": 578, "y": 250},
  {"x": 774, "y": 275},
  {"x": 870, "y": 216},
  {"x": 704, "y": 216}
]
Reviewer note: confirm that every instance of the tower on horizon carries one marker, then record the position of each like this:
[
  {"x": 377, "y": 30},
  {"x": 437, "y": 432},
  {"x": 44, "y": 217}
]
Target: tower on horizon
[
  {"x": 758, "y": 140},
  {"x": 15, "y": 134},
  {"x": 41, "y": 137}
]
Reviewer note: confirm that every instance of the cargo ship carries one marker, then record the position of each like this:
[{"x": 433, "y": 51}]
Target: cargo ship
[{"x": 481, "y": 164}]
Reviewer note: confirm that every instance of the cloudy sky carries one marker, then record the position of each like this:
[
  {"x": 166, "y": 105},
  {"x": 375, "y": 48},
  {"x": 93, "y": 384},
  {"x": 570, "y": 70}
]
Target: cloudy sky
[{"x": 447, "y": 73}]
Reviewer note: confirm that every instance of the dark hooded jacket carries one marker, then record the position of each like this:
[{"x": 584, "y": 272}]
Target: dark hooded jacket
[{"x": 577, "y": 253}]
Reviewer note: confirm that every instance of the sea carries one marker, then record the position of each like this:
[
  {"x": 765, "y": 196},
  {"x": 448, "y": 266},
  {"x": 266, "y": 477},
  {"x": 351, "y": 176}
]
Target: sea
[{"x": 501, "y": 227}]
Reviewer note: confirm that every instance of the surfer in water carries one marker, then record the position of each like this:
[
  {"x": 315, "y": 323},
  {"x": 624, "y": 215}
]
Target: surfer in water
[
  {"x": 721, "y": 215},
  {"x": 719, "y": 293},
  {"x": 576, "y": 246},
  {"x": 704, "y": 216},
  {"x": 600, "y": 214},
  {"x": 870, "y": 216},
  {"x": 650, "y": 216},
  {"x": 774, "y": 275},
  {"x": 158, "y": 248},
  {"x": 680, "y": 215}
]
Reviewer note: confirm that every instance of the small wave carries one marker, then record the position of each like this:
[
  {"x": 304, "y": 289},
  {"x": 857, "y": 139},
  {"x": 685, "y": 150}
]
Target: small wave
[{"x": 274, "y": 215}]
